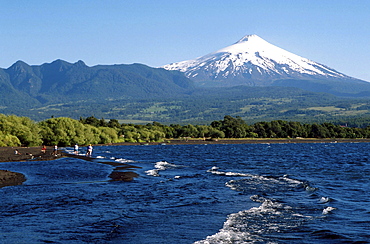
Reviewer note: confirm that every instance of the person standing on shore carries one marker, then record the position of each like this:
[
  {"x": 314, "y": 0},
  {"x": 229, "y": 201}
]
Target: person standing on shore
[
  {"x": 55, "y": 151},
  {"x": 76, "y": 149},
  {"x": 89, "y": 151}
]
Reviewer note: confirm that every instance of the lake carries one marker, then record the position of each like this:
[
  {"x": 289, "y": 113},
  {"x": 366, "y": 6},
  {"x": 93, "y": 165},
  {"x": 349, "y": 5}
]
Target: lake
[{"x": 239, "y": 193}]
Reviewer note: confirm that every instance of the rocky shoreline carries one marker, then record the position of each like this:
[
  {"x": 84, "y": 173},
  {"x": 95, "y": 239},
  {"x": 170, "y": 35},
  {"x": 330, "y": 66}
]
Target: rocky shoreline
[{"x": 7, "y": 154}]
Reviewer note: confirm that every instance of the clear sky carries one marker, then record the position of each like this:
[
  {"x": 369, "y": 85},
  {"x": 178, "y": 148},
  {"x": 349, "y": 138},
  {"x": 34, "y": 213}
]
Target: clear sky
[{"x": 157, "y": 32}]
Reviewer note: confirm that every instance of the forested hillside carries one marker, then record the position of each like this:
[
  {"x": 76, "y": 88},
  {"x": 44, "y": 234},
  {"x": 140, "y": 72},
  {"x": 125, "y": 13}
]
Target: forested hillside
[
  {"x": 253, "y": 104},
  {"x": 61, "y": 81}
]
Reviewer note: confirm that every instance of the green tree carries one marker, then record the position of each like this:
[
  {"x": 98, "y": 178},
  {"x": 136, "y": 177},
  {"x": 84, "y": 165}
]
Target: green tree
[
  {"x": 189, "y": 131},
  {"x": 232, "y": 127},
  {"x": 318, "y": 131},
  {"x": 113, "y": 123},
  {"x": 259, "y": 129},
  {"x": 65, "y": 131},
  {"x": 93, "y": 121},
  {"x": 215, "y": 133},
  {"x": 26, "y": 130},
  {"x": 108, "y": 135},
  {"x": 7, "y": 140}
]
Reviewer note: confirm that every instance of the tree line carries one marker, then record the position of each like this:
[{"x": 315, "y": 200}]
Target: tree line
[{"x": 62, "y": 131}]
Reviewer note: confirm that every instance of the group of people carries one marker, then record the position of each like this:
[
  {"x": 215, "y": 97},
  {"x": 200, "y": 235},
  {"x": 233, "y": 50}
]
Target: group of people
[
  {"x": 88, "y": 152},
  {"x": 75, "y": 149}
]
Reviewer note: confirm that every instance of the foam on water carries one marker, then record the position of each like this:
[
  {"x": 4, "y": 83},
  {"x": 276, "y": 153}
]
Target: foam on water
[
  {"x": 214, "y": 170},
  {"x": 122, "y": 160},
  {"x": 272, "y": 216},
  {"x": 152, "y": 172},
  {"x": 310, "y": 189},
  {"x": 324, "y": 200},
  {"x": 292, "y": 181},
  {"x": 160, "y": 166},
  {"x": 327, "y": 210},
  {"x": 253, "y": 182},
  {"x": 251, "y": 225}
]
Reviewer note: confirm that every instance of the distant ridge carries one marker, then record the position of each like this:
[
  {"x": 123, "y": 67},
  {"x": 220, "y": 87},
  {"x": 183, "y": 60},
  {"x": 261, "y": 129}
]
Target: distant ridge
[{"x": 63, "y": 81}]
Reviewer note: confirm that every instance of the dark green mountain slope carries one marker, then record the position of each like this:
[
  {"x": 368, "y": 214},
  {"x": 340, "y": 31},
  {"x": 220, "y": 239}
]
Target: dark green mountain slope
[
  {"x": 202, "y": 106},
  {"x": 10, "y": 96},
  {"x": 61, "y": 81},
  {"x": 341, "y": 88}
]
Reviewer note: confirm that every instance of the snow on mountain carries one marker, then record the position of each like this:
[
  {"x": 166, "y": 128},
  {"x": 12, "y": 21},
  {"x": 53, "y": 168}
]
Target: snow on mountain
[{"x": 253, "y": 61}]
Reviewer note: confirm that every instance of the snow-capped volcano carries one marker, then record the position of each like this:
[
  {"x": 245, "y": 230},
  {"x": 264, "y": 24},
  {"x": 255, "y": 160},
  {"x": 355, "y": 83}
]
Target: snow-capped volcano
[{"x": 252, "y": 61}]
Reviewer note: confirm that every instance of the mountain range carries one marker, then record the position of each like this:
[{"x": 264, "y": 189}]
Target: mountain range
[
  {"x": 251, "y": 78},
  {"x": 61, "y": 81}
]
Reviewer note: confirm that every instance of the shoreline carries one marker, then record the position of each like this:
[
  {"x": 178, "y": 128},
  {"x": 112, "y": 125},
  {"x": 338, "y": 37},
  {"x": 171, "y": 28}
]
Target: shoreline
[
  {"x": 192, "y": 141},
  {"x": 8, "y": 178},
  {"x": 7, "y": 154}
]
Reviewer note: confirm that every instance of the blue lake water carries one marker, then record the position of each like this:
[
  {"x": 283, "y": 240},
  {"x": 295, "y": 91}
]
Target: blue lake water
[{"x": 249, "y": 193}]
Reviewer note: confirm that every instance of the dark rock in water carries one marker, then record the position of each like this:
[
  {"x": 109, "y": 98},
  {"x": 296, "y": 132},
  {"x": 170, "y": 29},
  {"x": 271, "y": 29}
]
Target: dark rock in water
[{"x": 123, "y": 176}]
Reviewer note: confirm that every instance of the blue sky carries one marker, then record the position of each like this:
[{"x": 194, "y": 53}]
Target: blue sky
[{"x": 332, "y": 32}]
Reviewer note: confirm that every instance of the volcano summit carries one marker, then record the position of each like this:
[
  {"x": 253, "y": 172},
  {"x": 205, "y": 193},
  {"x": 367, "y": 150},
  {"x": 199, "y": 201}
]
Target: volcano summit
[{"x": 253, "y": 61}]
